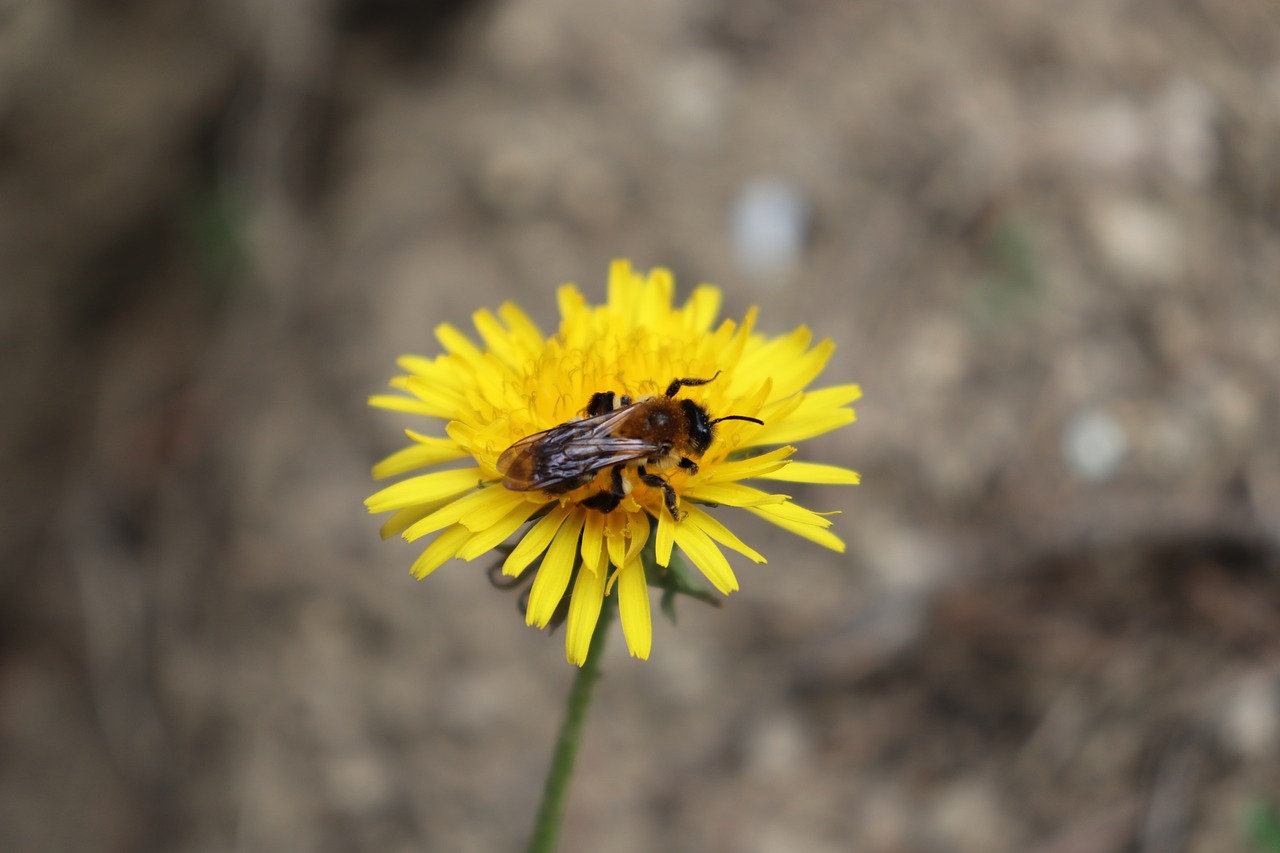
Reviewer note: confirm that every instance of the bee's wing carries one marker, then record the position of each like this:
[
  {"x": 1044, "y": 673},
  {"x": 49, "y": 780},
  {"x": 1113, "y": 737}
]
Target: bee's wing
[{"x": 564, "y": 454}]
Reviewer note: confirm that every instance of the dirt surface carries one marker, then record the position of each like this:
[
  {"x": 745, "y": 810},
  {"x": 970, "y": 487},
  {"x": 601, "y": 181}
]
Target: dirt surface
[{"x": 1045, "y": 237}]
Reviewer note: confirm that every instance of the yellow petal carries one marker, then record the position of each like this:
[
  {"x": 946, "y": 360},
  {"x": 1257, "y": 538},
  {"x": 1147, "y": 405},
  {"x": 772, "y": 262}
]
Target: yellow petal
[
  {"x": 442, "y": 549},
  {"x": 434, "y": 440},
  {"x": 621, "y": 288},
  {"x": 416, "y": 363},
  {"x": 796, "y": 373},
  {"x": 633, "y": 606},
  {"x": 402, "y": 519},
  {"x": 742, "y": 337},
  {"x": 615, "y": 538},
  {"x": 570, "y": 302},
  {"x": 397, "y": 403},
  {"x": 789, "y": 360},
  {"x": 836, "y": 395},
  {"x": 535, "y": 541},
  {"x": 654, "y": 300},
  {"x": 485, "y": 540},
  {"x": 806, "y": 415},
  {"x": 593, "y": 541},
  {"x": 811, "y": 472},
  {"x": 707, "y": 557},
  {"x": 799, "y": 524},
  {"x": 476, "y": 511},
  {"x": 456, "y": 343},
  {"x": 777, "y": 411},
  {"x": 522, "y": 328},
  {"x": 800, "y": 426},
  {"x": 442, "y": 400},
  {"x": 733, "y": 494},
  {"x": 464, "y": 435},
  {"x": 584, "y": 612},
  {"x": 743, "y": 469},
  {"x": 638, "y": 522},
  {"x": 553, "y": 575},
  {"x": 754, "y": 395},
  {"x": 424, "y": 489},
  {"x": 418, "y": 455},
  {"x": 637, "y": 538},
  {"x": 495, "y": 337},
  {"x": 702, "y": 308},
  {"x": 801, "y": 515},
  {"x": 665, "y": 540},
  {"x": 769, "y": 355},
  {"x": 710, "y": 525}
]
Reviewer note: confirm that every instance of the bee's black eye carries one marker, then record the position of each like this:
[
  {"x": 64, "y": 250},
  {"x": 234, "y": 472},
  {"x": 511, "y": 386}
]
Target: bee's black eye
[{"x": 699, "y": 426}]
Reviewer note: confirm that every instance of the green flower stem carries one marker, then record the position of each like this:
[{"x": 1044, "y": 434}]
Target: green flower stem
[{"x": 546, "y": 830}]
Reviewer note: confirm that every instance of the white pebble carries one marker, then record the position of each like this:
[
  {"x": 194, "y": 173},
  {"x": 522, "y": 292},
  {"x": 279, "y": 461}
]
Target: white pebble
[
  {"x": 1250, "y": 723},
  {"x": 1094, "y": 444},
  {"x": 768, "y": 227}
]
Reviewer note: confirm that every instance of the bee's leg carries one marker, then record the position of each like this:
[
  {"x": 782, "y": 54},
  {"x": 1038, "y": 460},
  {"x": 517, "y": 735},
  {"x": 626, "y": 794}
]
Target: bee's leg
[
  {"x": 601, "y": 402},
  {"x": 668, "y": 493},
  {"x": 688, "y": 464},
  {"x": 608, "y": 501},
  {"x": 677, "y": 384}
]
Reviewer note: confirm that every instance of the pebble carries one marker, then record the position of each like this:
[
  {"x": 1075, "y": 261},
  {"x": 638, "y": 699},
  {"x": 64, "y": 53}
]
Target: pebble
[
  {"x": 1250, "y": 721},
  {"x": 1141, "y": 242},
  {"x": 768, "y": 227},
  {"x": 1094, "y": 445}
]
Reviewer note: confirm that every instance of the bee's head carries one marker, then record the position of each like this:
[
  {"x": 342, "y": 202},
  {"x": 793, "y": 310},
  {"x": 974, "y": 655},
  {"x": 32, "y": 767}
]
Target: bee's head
[{"x": 702, "y": 428}]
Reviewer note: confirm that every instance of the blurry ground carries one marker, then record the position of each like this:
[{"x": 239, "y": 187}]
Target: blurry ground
[{"x": 1044, "y": 237}]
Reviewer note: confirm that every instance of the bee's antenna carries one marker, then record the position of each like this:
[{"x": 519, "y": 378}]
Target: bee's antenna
[
  {"x": 677, "y": 384},
  {"x": 738, "y": 418}
]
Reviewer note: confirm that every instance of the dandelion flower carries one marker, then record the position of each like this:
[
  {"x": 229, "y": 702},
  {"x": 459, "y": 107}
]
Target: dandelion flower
[{"x": 517, "y": 382}]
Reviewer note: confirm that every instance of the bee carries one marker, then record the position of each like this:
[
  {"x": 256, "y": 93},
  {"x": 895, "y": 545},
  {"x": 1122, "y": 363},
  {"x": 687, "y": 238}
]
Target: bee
[{"x": 657, "y": 433}]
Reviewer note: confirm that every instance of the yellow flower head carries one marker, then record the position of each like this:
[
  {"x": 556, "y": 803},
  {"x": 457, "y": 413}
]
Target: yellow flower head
[{"x": 520, "y": 382}]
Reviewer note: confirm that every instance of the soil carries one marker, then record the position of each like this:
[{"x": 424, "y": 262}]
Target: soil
[{"x": 1045, "y": 238}]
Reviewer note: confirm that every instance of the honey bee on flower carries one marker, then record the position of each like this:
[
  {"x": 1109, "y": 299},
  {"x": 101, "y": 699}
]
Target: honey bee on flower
[
  {"x": 616, "y": 434},
  {"x": 636, "y": 417}
]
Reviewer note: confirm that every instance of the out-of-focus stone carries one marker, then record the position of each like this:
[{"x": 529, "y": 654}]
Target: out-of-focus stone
[
  {"x": 1094, "y": 444},
  {"x": 768, "y": 226},
  {"x": 1142, "y": 243}
]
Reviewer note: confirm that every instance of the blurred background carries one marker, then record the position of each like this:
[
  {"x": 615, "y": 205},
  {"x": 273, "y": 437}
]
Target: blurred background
[{"x": 1044, "y": 237}]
